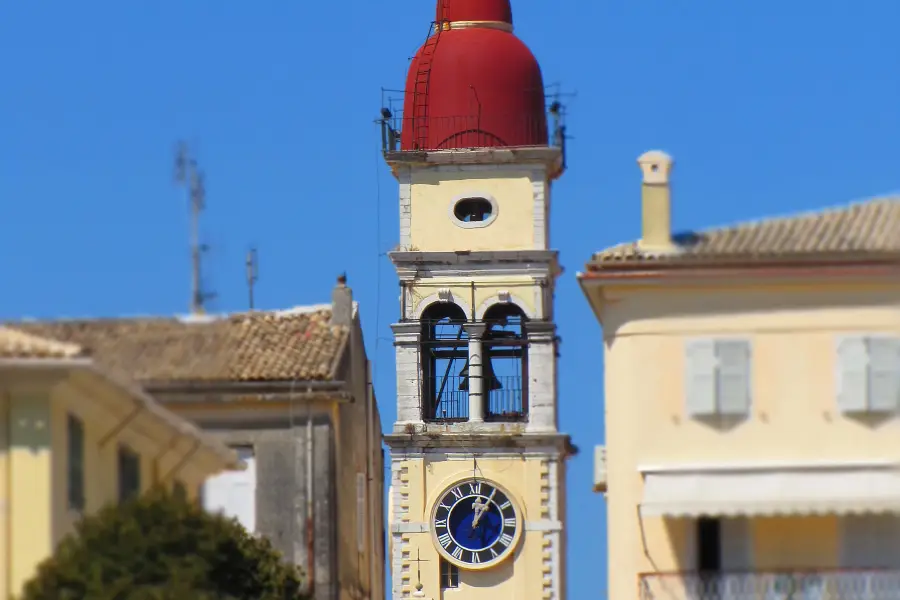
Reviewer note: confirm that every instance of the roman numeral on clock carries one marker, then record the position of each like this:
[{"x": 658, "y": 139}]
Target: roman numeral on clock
[
  {"x": 475, "y": 487},
  {"x": 445, "y": 540},
  {"x": 505, "y": 505},
  {"x": 457, "y": 553},
  {"x": 457, "y": 493},
  {"x": 505, "y": 539},
  {"x": 475, "y": 558},
  {"x": 440, "y": 523},
  {"x": 509, "y": 522}
]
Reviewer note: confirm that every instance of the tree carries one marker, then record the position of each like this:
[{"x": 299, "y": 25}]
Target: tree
[{"x": 162, "y": 547}]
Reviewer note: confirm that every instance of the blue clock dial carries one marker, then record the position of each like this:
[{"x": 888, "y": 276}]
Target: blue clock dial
[{"x": 475, "y": 523}]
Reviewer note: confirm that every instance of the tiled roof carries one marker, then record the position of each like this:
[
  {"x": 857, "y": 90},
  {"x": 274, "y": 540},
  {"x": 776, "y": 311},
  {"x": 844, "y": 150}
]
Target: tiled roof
[
  {"x": 298, "y": 344},
  {"x": 870, "y": 228},
  {"x": 17, "y": 344}
]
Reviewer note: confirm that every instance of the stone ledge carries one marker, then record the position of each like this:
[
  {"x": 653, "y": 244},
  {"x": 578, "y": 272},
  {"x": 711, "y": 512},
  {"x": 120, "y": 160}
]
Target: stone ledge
[{"x": 481, "y": 440}]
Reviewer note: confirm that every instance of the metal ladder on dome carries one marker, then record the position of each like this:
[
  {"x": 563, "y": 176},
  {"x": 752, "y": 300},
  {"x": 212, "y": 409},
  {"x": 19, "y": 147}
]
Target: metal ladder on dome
[{"x": 420, "y": 115}]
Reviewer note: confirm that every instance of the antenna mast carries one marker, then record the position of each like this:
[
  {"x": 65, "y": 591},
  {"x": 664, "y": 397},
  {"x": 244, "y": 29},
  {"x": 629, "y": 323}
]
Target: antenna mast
[
  {"x": 188, "y": 174},
  {"x": 252, "y": 273}
]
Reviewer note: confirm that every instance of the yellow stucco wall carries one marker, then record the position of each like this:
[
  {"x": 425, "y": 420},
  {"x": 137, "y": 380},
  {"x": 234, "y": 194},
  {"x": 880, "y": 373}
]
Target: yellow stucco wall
[
  {"x": 432, "y": 195},
  {"x": 484, "y": 290},
  {"x": 33, "y": 459},
  {"x": 521, "y": 575},
  {"x": 30, "y": 535},
  {"x": 794, "y": 416}
]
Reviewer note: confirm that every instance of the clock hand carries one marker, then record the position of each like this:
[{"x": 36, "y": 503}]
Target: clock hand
[{"x": 480, "y": 509}]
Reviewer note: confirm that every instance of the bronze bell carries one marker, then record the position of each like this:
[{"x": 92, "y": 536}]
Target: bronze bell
[{"x": 487, "y": 373}]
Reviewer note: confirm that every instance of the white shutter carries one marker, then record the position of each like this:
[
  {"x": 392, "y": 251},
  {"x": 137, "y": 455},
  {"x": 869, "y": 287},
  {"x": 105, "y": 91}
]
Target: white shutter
[
  {"x": 233, "y": 493},
  {"x": 700, "y": 377},
  {"x": 361, "y": 512},
  {"x": 733, "y": 377},
  {"x": 852, "y": 370},
  {"x": 884, "y": 374}
]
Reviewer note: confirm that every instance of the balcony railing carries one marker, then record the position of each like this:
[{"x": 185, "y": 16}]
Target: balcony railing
[
  {"x": 449, "y": 395},
  {"x": 857, "y": 584},
  {"x": 470, "y": 131}
]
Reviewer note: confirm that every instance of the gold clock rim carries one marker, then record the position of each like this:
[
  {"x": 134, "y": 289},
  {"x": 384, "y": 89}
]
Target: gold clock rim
[{"x": 510, "y": 550}]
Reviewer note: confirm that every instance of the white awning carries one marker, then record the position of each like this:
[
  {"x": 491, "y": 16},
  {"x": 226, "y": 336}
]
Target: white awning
[{"x": 772, "y": 490}]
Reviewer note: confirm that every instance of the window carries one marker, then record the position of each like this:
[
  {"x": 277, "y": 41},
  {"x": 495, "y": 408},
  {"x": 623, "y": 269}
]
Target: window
[
  {"x": 868, "y": 374},
  {"x": 233, "y": 493},
  {"x": 129, "y": 474},
  {"x": 75, "y": 466},
  {"x": 504, "y": 368},
  {"x": 717, "y": 381},
  {"x": 473, "y": 211},
  {"x": 449, "y": 575},
  {"x": 445, "y": 359}
]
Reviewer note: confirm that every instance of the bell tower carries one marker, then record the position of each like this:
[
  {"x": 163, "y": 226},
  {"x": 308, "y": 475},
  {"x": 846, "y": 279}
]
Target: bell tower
[{"x": 477, "y": 502}]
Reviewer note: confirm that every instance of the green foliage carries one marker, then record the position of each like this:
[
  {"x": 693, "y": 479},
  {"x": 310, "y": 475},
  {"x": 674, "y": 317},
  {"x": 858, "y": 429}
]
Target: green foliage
[{"x": 162, "y": 547}]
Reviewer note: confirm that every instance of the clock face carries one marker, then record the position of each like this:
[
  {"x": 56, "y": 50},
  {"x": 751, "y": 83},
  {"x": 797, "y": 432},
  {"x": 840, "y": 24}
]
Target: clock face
[{"x": 475, "y": 524}]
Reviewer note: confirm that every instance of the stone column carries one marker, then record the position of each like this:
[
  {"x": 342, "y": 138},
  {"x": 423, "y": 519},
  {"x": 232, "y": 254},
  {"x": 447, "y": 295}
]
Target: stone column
[
  {"x": 541, "y": 376},
  {"x": 409, "y": 390},
  {"x": 476, "y": 379}
]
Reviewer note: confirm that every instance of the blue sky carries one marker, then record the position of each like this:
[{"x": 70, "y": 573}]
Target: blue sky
[{"x": 768, "y": 107}]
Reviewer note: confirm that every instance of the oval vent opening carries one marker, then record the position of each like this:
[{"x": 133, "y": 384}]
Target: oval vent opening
[{"x": 473, "y": 210}]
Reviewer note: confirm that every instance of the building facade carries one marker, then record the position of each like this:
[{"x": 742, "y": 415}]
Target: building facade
[
  {"x": 752, "y": 381},
  {"x": 73, "y": 438},
  {"x": 290, "y": 391},
  {"x": 477, "y": 499}
]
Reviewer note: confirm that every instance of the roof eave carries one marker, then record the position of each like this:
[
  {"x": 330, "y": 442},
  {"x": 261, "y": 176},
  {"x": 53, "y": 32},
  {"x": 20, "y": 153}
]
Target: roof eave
[{"x": 722, "y": 267}]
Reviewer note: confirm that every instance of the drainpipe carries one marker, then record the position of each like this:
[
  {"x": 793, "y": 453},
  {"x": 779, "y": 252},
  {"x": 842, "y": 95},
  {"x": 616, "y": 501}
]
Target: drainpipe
[
  {"x": 370, "y": 526},
  {"x": 310, "y": 534}
]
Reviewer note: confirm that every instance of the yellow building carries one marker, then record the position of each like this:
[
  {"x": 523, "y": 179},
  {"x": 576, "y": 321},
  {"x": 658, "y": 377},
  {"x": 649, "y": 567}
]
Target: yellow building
[
  {"x": 290, "y": 391},
  {"x": 752, "y": 385},
  {"x": 477, "y": 499},
  {"x": 74, "y": 438}
]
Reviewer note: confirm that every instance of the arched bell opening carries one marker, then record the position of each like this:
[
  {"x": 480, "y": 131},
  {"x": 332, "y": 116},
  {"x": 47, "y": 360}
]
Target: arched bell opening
[
  {"x": 444, "y": 354},
  {"x": 505, "y": 370}
]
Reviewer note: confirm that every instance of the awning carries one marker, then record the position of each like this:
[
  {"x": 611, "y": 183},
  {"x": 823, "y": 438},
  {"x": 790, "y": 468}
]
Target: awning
[{"x": 763, "y": 491}]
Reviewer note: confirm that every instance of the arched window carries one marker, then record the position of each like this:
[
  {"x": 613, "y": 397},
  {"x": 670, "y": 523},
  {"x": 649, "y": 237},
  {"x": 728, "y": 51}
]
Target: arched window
[
  {"x": 506, "y": 365},
  {"x": 444, "y": 355}
]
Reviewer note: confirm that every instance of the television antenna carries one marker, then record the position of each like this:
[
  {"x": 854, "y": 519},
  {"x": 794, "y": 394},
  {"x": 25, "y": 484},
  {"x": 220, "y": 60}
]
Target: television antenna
[
  {"x": 252, "y": 264},
  {"x": 189, "y": 175}
]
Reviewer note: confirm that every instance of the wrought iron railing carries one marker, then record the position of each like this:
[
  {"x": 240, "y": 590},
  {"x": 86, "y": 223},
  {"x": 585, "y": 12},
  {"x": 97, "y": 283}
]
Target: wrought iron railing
[
  {"x": 856, "y": 584},
  {"x": 470, "y": 131},
  {"x": 447, "y": 399},
  {"x": 507, "y": 402}
]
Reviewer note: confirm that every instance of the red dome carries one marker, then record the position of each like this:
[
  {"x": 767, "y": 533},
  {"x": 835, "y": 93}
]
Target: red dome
[
  {"x": 473, "y": 87},
  {"x": 474, "y": 10}
]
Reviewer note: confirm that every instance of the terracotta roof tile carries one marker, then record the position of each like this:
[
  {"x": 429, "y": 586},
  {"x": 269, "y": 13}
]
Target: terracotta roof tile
[
  {"x": 863, "y": 228},
  {"x": 17, "y": 344},
  {"x": 257, "y": 346}
]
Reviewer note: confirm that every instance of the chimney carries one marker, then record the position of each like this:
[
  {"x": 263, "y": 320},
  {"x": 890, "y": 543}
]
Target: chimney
[
  {"x": 656, "y": 201},
  {"x": 341, "y": 303}
]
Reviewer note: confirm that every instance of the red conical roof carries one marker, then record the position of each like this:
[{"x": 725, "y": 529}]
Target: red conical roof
[
  {"x": 474, "y": 10},
  {"x": 475, "y": 85}
]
